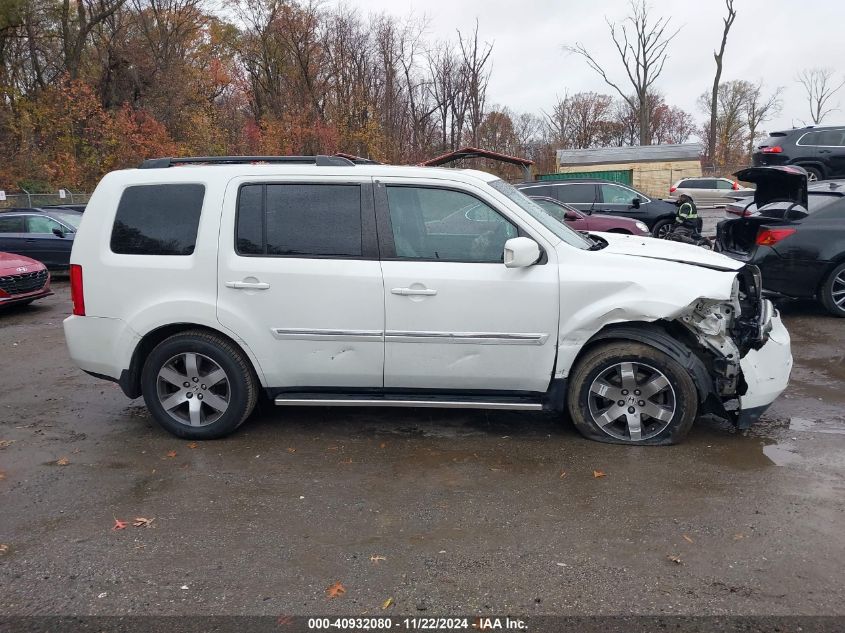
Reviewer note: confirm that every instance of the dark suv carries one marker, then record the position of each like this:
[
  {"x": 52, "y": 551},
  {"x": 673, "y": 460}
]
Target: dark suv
[
  {"x": 605, "y": 196},
  {"x": 819, "y": 150}
]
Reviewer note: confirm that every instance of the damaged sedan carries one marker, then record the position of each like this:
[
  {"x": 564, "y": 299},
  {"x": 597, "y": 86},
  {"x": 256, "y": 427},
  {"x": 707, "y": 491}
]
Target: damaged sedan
[{"x": 319, "y": 281}]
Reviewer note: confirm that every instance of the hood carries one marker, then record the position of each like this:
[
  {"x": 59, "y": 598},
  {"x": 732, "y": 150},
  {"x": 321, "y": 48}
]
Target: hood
[
  {"x": 783, "y": 183},
  {"x": 679, "y": 252},
  {"x": 11, "y": 262}
]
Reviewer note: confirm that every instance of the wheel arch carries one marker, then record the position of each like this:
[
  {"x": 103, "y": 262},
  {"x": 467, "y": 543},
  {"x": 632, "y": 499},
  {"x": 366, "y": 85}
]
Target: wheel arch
[
  {"x": 657, "y": 335},
  {"x": 130, "y": 378}
]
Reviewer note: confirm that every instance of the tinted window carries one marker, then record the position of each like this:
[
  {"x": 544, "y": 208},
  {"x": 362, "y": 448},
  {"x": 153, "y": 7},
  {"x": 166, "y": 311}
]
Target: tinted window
[
  {"x": 13, "y": 224},
  {"x": 431, "y": 223},
  {"x": 584, "y": 193},
  {"x": 41, "y": 224},
  {"x": 295, "y": 220},
  {"x": 811, "y": 138},
  {"x": 831, "y": 138},
  {"x": 538, "y": 191},
  {"x": 691, "y": 184},
  {"x": 157, "y": 220}
]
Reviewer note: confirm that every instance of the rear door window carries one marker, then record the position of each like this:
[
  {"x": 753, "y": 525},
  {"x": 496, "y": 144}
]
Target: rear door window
[
  {"x": 13, "y": 224},
  {"x": 299, "y": 220},
  {"x": 157, "y": 219},
  {"x": 691, "y": 184},
  {"x": 576, "y": 193}
]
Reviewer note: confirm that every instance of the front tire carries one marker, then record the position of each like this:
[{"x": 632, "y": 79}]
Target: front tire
[
  {"x": 814, "y": 174},
  {"x": 198, "y": 385},
  {"x": 629, "y": 393},
  {"x": 662, "y": 228},
  {"x": 832, "y": 293}
]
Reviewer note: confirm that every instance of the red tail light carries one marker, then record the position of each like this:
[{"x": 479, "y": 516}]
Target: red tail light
[
  {"x": 736, "y": 186},
  {"x": 672, "y": 189},
  {"x": 76, "y": 294},
  {"x": 774, "y": 149},
  {"x": 770, "y": 237}
]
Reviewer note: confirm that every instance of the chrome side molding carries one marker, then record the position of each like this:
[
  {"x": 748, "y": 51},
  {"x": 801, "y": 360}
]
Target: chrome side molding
[{"x": 302, "y": 334}]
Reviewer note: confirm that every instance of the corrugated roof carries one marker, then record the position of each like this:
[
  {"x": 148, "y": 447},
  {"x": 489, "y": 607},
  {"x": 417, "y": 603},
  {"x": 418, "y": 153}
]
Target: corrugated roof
[{"x": 635, "y": 154}]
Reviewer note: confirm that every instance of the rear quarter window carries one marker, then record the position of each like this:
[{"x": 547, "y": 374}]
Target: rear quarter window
[{"x": 157, "y": 219}]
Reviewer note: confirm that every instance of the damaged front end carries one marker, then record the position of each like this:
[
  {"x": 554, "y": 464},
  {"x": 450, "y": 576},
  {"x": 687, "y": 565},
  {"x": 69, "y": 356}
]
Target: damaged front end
[{"x": 727, "y": 332}]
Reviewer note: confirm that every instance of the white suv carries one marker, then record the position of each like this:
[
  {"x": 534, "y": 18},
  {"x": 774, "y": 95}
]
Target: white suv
[{"x": 203, "y": 283}]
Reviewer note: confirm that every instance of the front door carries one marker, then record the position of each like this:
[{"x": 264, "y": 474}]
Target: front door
[
  {"x": 299, "y": 280},
  {"x": 456, "y": 318},
  {"x": 618, "y": 200}
]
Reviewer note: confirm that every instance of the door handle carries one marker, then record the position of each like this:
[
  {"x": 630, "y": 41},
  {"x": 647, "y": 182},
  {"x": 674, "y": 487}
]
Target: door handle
[
  {"x": 407, "y": 292},
  {"x": 247, "y": 285}
]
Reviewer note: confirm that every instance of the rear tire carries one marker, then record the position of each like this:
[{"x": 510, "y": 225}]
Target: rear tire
[
  {"x": 198, "y": 386},
  {"x": 659, "y": 401},
  {"x": 832, "y": 293},
  {"x": 661, "y": 228}
]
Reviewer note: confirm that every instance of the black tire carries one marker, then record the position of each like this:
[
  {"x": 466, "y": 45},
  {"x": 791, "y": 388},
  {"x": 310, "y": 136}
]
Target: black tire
[
  {"x": 645, "y": 359},
  {"x": 834, "y": 283},
  {"x": 241, "y": 385},
  {"x": 661, "y": 228},
  {"x": 813, "y": 173}
]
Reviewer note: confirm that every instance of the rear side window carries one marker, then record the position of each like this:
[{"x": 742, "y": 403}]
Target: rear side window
[
  {"x": 14, "y": 224},
  {"x": 691, "y": 184},
  {"x": 299, "y": 220},
  {"x": 811, "y": 138},
  {"x": 576, "y": 193},
  {"x": 157, "y": 220}
]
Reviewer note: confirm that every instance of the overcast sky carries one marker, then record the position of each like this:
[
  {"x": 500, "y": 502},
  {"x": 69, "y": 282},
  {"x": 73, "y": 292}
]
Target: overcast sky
[{"x": 771, "y": 40}]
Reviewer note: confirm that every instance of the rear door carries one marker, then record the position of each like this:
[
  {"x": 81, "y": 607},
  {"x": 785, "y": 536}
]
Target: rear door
[
  {"x": 831, "y": 152},
  {"x": 456, "y": 317},
  {"x": 581, "y": 195},
  {"x": 299, "y": 279},
  {"x": 13, "y": 234}
]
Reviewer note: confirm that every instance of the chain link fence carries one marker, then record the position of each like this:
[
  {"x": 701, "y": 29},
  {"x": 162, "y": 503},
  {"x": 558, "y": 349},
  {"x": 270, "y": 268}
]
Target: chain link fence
[{"x": 25, "y": 199}]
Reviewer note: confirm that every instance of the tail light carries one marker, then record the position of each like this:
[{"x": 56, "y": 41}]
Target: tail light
[
  {"x": 774, "y": 149},
  {"x": 672, "y": 189},
  {"x": 736, "y": 186},
  {"x": 76, "y": 294},
  {"x": 770, "y": 237}
]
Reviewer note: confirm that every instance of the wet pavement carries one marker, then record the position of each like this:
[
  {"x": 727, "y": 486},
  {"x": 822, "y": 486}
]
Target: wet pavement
[{"x": 445, "y": 512}]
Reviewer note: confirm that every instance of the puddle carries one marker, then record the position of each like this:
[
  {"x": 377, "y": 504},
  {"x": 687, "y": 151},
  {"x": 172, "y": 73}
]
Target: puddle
[
  {"x": 782, "y": 454},
  {"x": 817, "y": 426}
]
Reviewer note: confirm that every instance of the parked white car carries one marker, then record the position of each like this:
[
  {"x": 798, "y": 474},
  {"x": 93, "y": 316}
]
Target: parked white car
[
  {"x": 709, "y": 192},
  {"x": 200, "y": 283}
]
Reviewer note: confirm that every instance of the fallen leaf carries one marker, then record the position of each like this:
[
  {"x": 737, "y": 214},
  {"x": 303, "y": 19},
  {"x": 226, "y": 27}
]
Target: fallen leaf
[
  {"x": 687, "y": 538},
  {"x": 562, "y": 474},
  {"x": 599, "y": 473},
  {"x": 170, "y": 454},
  {"x": 142, "y": 522},
  {"x": 332, "y": 448},
  {"x": 291, "y": 450},
  {"x": 383, "y": 445},
  {"x": 387, "y": 603},
  {"x": 119, "y": 525},
  {"x": 347, "y": 461},
  {"x": 675, "y": 559},
  {"x": 739, "y": 536},
  {"x": 2, "y": 475},
  {"x": 335, "y": 590},
  {"x": 375, "y": 558},
  {"x": 5, "y": 443},
  {"x": 62, "y": 461},
  {"x": 3, "y": 548},
  {"x": 193, "y": 445}
]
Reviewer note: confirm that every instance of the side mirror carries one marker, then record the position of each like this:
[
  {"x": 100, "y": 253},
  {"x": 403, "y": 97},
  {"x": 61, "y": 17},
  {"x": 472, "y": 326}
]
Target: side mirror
[
  {"x": 636, "y": 202},
  {"x": 571, "y": 215},
  {"x": 521, "y": 252},
  {"x": 58, "y": 232}
]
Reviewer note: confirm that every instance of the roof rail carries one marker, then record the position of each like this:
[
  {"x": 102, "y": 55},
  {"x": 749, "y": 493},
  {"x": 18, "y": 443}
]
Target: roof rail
[{"x": 319, "y": 160}]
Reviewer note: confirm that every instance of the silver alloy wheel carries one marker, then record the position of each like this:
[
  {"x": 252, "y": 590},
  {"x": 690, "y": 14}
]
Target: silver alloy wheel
[
  {"x": 632, "y": 401},
  {"x": 811, "y": 176},
  {"x": 664, "y": 230},
  {"x": 837, "y": 290},
  {"x": 193, "y": 389}
]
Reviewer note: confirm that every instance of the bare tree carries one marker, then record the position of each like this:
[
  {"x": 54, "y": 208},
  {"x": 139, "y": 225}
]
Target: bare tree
[
  {"x": 475, "y": 57},
  {"x": 714, "y": 95},
  {"x": 641, "y": 44},
  {"x": 759, "y": 109},
  {"x": 820, "y": 87},
  {"x": 75, "y": 29}
]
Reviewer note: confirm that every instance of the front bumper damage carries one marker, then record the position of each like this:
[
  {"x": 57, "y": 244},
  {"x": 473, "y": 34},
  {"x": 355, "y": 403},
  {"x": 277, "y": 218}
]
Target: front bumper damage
[{"x": 746, "y": 346}]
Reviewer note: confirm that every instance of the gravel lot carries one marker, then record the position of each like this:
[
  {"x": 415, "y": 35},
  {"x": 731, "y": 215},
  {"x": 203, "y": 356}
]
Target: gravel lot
[{"x": 445, "y": 512}]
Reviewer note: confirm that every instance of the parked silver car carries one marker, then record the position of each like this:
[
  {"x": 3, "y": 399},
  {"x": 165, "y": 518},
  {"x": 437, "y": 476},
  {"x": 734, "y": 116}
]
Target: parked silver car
[{"x": 706, "y": 192}]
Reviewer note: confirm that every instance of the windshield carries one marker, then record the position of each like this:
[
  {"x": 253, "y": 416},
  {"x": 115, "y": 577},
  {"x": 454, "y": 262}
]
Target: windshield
[
  {"x": 532, "y": 208},
  {"x": 68, "y": 217}
]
